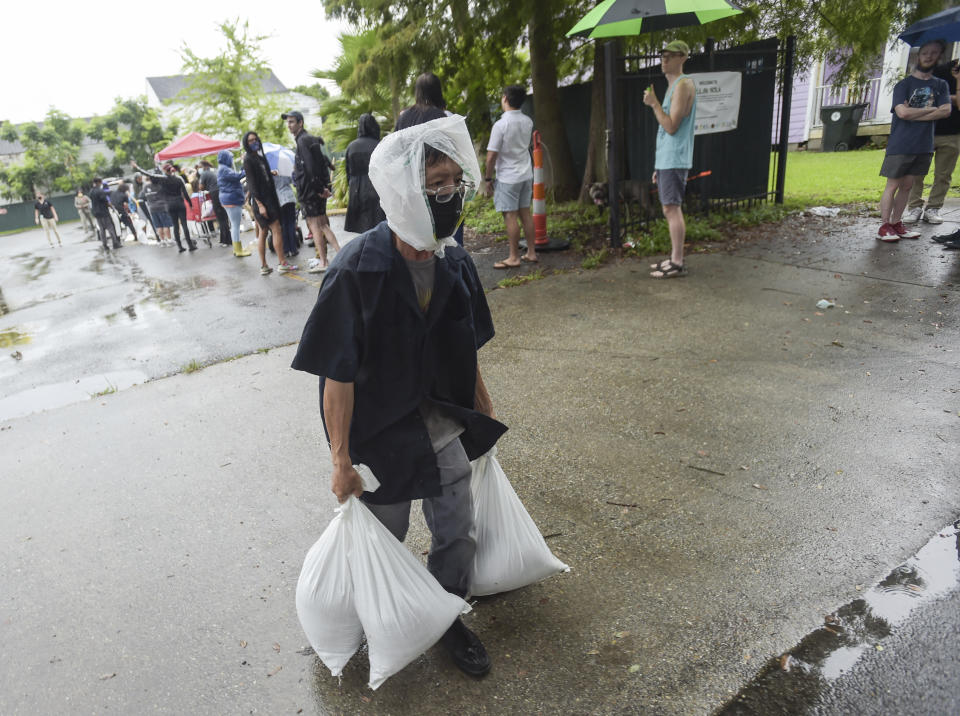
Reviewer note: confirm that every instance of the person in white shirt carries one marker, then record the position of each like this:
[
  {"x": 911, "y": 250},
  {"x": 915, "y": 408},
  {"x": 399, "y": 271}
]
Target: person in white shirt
[{"x": 508, "y": 151}]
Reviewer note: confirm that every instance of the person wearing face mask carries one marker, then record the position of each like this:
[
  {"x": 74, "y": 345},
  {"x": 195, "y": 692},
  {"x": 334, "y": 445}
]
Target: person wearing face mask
[
  {"x": 919, "y": 100},
  {"x": 394, "y": 337},
  {"x": 263, "y": 193}
]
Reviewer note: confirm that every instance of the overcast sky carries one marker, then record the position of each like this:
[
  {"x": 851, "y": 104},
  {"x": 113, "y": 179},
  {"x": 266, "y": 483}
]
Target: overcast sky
[{"x": 79, "y": 56}]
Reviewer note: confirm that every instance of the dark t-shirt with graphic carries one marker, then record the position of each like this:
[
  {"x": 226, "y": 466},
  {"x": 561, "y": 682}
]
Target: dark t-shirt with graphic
[{"x": 911, "y": 136}]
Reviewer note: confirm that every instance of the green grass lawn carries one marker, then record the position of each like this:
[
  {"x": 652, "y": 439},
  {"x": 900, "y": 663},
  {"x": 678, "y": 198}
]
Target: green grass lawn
[{"x": 829, "y": 178}]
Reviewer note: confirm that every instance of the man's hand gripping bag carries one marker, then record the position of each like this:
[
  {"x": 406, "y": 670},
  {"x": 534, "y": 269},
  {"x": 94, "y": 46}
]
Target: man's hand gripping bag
[
  {"x": 359, "y": 579},
  {"x": 511, "y": 552}
]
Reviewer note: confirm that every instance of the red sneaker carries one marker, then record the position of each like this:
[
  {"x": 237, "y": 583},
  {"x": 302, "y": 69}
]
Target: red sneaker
[
  {"x": 903, "y": 232},
  {"x": 887, "y": 233}
]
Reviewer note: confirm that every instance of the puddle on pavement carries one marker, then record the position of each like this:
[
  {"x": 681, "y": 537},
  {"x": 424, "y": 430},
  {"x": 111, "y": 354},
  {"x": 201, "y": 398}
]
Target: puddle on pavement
[
  {"x": 57, "y": 395},
  {"x": 129, "y": 311},
  {"x": 10, "y": 338},
  {"x": 793, "y": 681},
  {"x": 35, "y": 266}
]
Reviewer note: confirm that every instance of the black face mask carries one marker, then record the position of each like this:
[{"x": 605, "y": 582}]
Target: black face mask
[{"x": 446, "y": 217}]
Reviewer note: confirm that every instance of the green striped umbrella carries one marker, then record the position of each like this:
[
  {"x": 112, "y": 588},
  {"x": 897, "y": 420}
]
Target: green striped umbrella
[{"x": 618, "y": 18}]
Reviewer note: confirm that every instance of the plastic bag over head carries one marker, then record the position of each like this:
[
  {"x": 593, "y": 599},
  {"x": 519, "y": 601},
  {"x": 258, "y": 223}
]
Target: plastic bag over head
[{"x": 397, "y": 173}]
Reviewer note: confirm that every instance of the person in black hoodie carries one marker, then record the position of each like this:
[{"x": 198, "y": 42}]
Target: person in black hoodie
[
  {"x": 363, "y": 209},
  {"x": 264, "y": 194},
  {"x": 175, "y": 193},
  {"x": 100, "y": 208},
  {"x": 311, "y": 175}
]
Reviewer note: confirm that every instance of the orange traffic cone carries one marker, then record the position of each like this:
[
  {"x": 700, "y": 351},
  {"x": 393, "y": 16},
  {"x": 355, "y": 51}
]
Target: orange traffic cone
[{"x": 539, "y": 207}]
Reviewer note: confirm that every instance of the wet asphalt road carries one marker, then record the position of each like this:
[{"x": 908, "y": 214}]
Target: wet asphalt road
[
  {"x": 83, "y": 321},
  {"x": 721, "y": 463}
]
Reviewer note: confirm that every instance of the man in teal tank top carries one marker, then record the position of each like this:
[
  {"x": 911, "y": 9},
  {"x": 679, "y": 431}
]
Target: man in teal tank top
[{"x": 674, "y": 157}]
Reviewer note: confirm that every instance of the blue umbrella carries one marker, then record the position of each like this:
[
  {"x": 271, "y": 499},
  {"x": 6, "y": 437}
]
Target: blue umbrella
[
  {"x": 279, "y": 158},
  {"x": 944, "y": 25}
]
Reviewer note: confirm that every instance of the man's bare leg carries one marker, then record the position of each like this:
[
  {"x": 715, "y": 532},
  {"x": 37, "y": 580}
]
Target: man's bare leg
[
  {"x": 678, "y": 231},
  {"x": 529, "y": 233},
  {"x": 322, "y": 235},
  {"x": 901, "y": 198},
  {"x": 510, "y": 219},
  {"x": 319, "y": 242},
  {"x": 894, "y": 199},
  {"x": 327, "y": 230},
  {"x": 678, "y": 235}
]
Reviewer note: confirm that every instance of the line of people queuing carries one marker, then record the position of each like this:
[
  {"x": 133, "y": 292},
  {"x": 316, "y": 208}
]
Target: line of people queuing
[{"x": 162, "y": 197}]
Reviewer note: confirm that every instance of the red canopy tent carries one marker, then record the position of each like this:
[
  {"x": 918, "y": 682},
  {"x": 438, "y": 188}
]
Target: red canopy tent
[{"x": 194, "y": 145}]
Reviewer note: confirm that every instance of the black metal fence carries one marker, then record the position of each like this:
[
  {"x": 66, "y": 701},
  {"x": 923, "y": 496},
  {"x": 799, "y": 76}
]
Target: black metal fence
[{"x": 732, "y": 169}]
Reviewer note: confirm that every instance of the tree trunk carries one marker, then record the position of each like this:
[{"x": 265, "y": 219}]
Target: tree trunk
[
  {"x": 546, "y": 103},
  {"x": 596, "y": 165}
]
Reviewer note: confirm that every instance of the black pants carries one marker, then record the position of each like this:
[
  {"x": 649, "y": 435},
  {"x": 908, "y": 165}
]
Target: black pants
[
  {"x": 288, "y": 224},
  {"x": 107, "y": 227},
  {"x": 223, "y": 221},
  {"x": 178, "y": 212},
  {"x": 128, "y": 222}
]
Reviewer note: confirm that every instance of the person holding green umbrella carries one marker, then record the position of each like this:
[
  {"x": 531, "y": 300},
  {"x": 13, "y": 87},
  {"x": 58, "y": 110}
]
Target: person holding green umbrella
[{"x": 674, "y": 157}]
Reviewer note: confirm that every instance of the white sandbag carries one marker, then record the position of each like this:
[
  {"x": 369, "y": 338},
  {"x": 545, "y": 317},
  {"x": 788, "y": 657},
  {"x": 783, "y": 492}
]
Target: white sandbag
[
  {"x": 511, "y": 552},
  {"x": 358, "y": 579},
  {"x": 325, "y": 598},
  {"x": 403, "y": 609}
]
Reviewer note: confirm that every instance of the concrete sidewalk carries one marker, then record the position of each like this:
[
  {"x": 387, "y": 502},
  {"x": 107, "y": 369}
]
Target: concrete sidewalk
[{"x": 720, "y": 462}]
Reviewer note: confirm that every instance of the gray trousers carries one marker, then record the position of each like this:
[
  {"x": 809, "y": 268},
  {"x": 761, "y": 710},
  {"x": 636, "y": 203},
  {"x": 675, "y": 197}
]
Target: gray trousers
[{"x": 449, "y": 518}]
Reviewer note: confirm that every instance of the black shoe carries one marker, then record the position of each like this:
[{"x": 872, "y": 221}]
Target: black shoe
[
  {"x": 180, "y": 248},
  {"x": 466, "y": 650},
  {"x": 944, "y": 238},
  {"x": 192, "y": 245},
  {"x": 116, "y": 244},
  {"x": 953, "y": 244}
]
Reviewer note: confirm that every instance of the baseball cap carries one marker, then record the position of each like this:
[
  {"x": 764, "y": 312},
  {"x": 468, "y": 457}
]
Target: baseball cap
[
  {"x": 292, "y": 113},
  {"x": 678, "y": 46}
]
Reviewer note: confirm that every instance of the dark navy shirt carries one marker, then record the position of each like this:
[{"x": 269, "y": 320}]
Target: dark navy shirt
[
  {"x": 367, "y": 328},
  {"x": 910, "y": 136}
]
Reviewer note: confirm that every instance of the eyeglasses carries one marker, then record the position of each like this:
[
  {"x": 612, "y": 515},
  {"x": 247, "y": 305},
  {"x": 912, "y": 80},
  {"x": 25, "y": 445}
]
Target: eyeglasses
[{"x": 444, "y": 194}]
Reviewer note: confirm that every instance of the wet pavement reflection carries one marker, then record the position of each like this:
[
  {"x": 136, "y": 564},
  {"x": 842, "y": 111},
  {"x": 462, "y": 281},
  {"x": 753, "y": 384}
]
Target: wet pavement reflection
[
  {"x": 73, "y": 314},
  {"x": 793, "y": 682}
]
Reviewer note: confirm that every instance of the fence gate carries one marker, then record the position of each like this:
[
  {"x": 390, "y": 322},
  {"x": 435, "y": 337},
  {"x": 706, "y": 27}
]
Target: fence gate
[{"x": 738, "y": 167}]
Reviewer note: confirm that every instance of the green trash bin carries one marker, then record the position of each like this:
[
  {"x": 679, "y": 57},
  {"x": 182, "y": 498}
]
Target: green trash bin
[{"x": 840, "y": 122}]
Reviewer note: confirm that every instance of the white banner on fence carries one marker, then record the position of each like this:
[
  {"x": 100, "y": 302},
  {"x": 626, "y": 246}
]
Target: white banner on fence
[{"x": 718, "y": 101}]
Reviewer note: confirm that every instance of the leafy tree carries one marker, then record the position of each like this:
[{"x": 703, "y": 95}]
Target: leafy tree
[
  {"x": 131, "y": 130},
  {"x": 476, "y": 49},
  {"x": 316, "y": 90},
  {"x": 224, "y": 95},
  {"x": 363, "y": 88},
  {"x": 51, "y": 159}
]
